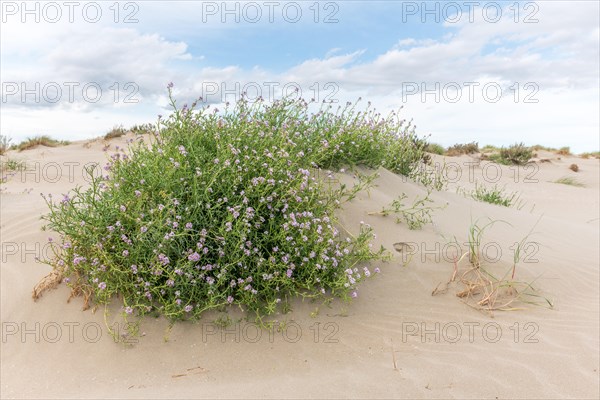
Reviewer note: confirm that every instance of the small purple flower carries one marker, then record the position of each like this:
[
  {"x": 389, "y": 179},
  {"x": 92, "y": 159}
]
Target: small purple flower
[
  {"x": 229, "y": 299},
  {"x": 125, "y": 253},
  {"x": 128, "y": 310},
  {"x": 194, "y": 257},
  {"x": 102, "y": 285},
  {"x": 289, "y": 273},
  {"x": 163, "y": 259},
  {"x": 189, "y": 225},
  {"x": 188, "y": 308},
  {"x": 123, "y": 208},
  {"x": 143, "y": 229},
  {"x": 377, "y": 270},
  {"x": 138, "y": 193},
  {"x": 354, "y": 295}
]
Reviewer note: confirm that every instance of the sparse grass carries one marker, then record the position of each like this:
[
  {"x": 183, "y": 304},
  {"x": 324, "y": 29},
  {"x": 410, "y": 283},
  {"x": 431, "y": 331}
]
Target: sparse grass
[
  {"x": 493, "y": 195},
  {"x": 538, "y": 147},
  {"x": 12, "y": 165},
  {"x": 567, "y": 180},
  {"x": 115, "y": 132},
  {"x": 481, "y": 288},
  {"x": 516, "y": 154},
  {"x": 40, "y": 141},
  {"x": 4, "y": 144},
  {"x": 460, "y": 149},
  {"x": 435, "y": 148},
  {"x": 415, "y": 216}
]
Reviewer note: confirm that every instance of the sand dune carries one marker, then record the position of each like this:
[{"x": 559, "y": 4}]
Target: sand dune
[{"x": 394, "y": 340}]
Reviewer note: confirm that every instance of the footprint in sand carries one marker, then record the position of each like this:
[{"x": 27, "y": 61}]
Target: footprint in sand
[{"x": 403, "y": 247}]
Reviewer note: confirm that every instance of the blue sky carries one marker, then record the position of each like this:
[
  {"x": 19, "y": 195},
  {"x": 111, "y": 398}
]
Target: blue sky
[{"x": 542, "y": 56}]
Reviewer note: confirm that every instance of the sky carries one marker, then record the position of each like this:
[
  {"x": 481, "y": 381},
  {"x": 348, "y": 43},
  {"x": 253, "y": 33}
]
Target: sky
[{"x": 492, "y": 72}]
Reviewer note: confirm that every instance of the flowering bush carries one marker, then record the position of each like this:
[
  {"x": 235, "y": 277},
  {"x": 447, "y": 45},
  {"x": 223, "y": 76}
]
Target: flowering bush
[{"x": 226, "y": 208}]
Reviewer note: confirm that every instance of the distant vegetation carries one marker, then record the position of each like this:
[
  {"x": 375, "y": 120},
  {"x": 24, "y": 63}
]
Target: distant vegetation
[
  {"x": 460, "y": 149},
  {"x": 118, "y": 130},
  {"x": 516, "y": 154},
  {"x": 40, "y": 141},
  {"x": 435, "y": 148}
]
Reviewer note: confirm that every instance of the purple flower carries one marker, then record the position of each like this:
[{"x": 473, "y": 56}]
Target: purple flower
[
  {"x": 123, "y": 208},
  {"x": 194, "y": 257},
  {"x": 128, "y": 310},
  {"x": 189, "y": 225},
  {"x": 125, "y": 253},
  {"x": 354, "y": 294},
  {"x": 229, "y": 299},
  {"x": 289, "y": 273},
  {"x": 143, "y": 229},
  {"x": 138, "y": 193},
  {"x": 188, "y": 308},
  {"x": 102, "y": 285},
  {"x": 163, "y": 259},
  {"x": 377, "y": 270}
]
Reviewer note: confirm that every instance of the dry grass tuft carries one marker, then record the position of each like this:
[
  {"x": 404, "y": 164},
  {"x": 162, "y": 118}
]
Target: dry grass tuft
[
  {"x": 48, "y": 282},
  {"x": 40, "y": 141},
  {"x": 482, "y": 290}
]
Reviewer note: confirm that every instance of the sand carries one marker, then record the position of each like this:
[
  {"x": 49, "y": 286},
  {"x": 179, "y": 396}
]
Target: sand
[{"x": 395, "y": 340}]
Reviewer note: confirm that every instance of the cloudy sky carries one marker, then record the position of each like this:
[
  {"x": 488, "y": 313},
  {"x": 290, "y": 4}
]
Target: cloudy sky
[{"x": 492, "y": 72}]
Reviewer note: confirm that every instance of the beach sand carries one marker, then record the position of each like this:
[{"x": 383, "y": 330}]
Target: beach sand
[{"x": 395, "y": 340}]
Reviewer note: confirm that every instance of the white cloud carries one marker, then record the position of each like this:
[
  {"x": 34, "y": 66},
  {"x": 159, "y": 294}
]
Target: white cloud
[{"x": 560, "y": 54}]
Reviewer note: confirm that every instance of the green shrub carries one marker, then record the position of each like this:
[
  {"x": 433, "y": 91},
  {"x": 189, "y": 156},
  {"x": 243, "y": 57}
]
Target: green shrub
[
  {"x": 435, "y": 148},
  {"x": 231, "y": 208},
  {"x": 516, "y": 154}
]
